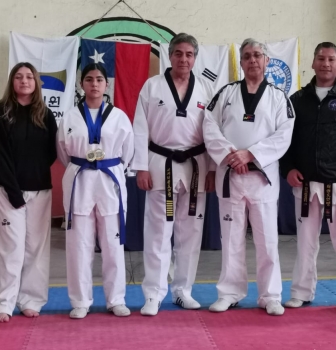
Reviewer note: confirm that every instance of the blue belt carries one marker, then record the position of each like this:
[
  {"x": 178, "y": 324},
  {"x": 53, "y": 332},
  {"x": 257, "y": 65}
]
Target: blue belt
[{"x": 102, "y": 165}]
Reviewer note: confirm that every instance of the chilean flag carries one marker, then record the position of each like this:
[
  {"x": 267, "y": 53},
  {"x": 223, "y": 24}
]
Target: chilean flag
[{"x": 127, "y": 67}]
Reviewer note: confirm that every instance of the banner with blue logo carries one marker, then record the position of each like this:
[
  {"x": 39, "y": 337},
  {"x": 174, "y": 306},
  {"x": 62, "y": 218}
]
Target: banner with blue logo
[
  {"x": 283, "y": 67},
  {"x": 55, "y": 59}
]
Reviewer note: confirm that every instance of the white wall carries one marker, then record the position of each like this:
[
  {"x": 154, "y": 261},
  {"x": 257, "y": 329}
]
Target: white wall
[{"x": 210, "y": 21}]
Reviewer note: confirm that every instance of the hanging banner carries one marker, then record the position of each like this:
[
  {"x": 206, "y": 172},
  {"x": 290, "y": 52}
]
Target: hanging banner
[
  {"x": 283, "y": 67},
  {"x": 212, "y": 63},
  {"x": 127, "y": 67}
]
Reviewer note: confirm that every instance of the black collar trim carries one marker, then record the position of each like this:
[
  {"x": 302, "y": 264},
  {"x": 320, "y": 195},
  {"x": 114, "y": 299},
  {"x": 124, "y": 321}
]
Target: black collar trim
[
  {"x": 250, "y": 108},
  {"x": 184, "y": 104}
]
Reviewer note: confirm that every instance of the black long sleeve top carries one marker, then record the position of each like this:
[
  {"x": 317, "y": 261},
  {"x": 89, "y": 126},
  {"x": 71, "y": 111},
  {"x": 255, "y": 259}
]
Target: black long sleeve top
[{"x": 26, "y": 154}]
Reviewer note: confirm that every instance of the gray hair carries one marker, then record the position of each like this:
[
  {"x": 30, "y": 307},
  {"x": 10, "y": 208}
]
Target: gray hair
[
  {"x": 326, "y": 45},
  {"x": 183, "y": 38},
  {"x": 253, "y": 43}
]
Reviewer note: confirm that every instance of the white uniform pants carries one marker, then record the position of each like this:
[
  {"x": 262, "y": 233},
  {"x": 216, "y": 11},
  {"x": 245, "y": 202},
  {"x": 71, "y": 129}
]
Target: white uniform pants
[
  {"x": 233, "y": 282},
  {"x": 157, "y": 245},
  {"x": 24, "y": 252},
  {"x": 80, "y": 244},
  {"x": 308, "y": 245}
]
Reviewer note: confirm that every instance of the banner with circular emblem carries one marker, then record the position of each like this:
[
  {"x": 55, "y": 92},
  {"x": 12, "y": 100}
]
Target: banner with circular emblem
[{"x": 283, "y": 67}]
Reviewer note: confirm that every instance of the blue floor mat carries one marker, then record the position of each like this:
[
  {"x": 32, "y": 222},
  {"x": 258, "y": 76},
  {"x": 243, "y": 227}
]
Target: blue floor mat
[{"x": 205, "y": 294}]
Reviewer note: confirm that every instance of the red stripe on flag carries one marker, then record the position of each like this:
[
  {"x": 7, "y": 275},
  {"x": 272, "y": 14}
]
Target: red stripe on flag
[{"x": 132, "y": 67}]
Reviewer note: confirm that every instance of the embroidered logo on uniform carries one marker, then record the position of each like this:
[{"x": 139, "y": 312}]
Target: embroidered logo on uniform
[
  {"x": 200, "y": 217},
  {"x": 249, "y": 118},
  {"x": 117, "y": 235},
  {"x": 299, "y": 219},
  {"x": 208, "y": 74},
  {"x": 332, "y": 105},
  {"x": 227, "y": 217},
  {"x": 161, "y": 103},
  {"x": 201, "y": 105},
  {"x": 69, "y": 131},
  {"x": 5, "y": 222}
]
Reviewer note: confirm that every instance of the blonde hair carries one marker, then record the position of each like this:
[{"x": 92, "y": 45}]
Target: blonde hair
[{"x": 9, "y": 100}]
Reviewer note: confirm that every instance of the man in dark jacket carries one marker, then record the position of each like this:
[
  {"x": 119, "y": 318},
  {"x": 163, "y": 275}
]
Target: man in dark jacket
[{"x": 310, "y": 168}]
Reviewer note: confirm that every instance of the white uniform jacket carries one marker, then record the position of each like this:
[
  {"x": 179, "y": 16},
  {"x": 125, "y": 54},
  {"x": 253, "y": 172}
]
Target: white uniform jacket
[
  {"x": 155, "y": 120},
  {"x": 93, "y": 187},
  {"x": 267, "y": 138}
]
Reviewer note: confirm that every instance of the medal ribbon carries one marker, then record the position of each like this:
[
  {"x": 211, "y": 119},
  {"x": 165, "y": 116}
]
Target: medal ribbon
[{"x": 94, "y": 129}]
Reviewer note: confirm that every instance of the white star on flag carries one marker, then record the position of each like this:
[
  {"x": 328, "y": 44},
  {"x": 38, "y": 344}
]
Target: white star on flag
[{"x": 98, "y": 57}]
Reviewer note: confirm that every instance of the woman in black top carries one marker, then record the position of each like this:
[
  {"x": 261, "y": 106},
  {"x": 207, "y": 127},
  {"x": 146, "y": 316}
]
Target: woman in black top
[{"x": 27, "y": 150}]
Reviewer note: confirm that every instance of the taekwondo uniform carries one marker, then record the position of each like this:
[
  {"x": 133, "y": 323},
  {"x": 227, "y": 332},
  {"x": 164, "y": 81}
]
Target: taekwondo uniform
[
  {"x": 26, "y": 155},
  {"x": 266, "y": 132},
  {"x": 94, "y": 200},
  {"x": 163, "y": 125}
]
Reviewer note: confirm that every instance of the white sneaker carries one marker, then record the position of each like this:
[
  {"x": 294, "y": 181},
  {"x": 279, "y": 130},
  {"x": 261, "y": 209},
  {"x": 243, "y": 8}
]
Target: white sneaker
[
  {"x": 187, "y": 302},
  {"x": 221, "y": 305},
  {"x": 274, "y": 307},
  {"x": 293, "y": 302},
  {"x": 151, "y": 307},
  {"x": 120, "y": 310},
  {"x": 79, "y": 312}
]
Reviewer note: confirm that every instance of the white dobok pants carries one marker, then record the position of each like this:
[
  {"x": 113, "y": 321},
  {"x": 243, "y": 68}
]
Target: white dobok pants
[
  {"x": 24, "y": 251},
  {"x": 157, "y": 243},
  {"x": 80, "y": 245},
  {"x": 233, "y": 282},
  {"x": 308, "y": 245}
]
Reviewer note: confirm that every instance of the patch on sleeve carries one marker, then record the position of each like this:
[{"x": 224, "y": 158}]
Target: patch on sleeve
[
  {"x": 290, "y": 113},
  {"x": 213, "y": 102}
]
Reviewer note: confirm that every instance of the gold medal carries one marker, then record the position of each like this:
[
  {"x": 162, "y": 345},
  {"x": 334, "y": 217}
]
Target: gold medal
[
  {"x": 91, "y": 156},
  {"x": 99, "y": 154}
]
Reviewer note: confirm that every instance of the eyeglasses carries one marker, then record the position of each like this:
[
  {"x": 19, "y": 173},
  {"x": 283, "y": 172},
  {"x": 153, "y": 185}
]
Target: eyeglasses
[{"x": 255, "y": 55}]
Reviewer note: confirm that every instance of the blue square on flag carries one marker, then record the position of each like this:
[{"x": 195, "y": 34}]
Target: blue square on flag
[{"x": 97, "y": 51}]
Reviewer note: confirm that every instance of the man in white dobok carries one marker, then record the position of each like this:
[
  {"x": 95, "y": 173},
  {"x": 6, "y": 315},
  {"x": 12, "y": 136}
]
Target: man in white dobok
[
  {"x": 248, "y": 126},
  {"x": 172, "y": 166}
]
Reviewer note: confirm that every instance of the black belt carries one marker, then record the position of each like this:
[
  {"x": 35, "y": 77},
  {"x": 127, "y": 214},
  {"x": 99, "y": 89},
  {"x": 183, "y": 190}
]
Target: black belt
[
  {"x": 328, "y": 192},
  {"x": 226, "y": 181},
  {"x": 179, "y": 157}
]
